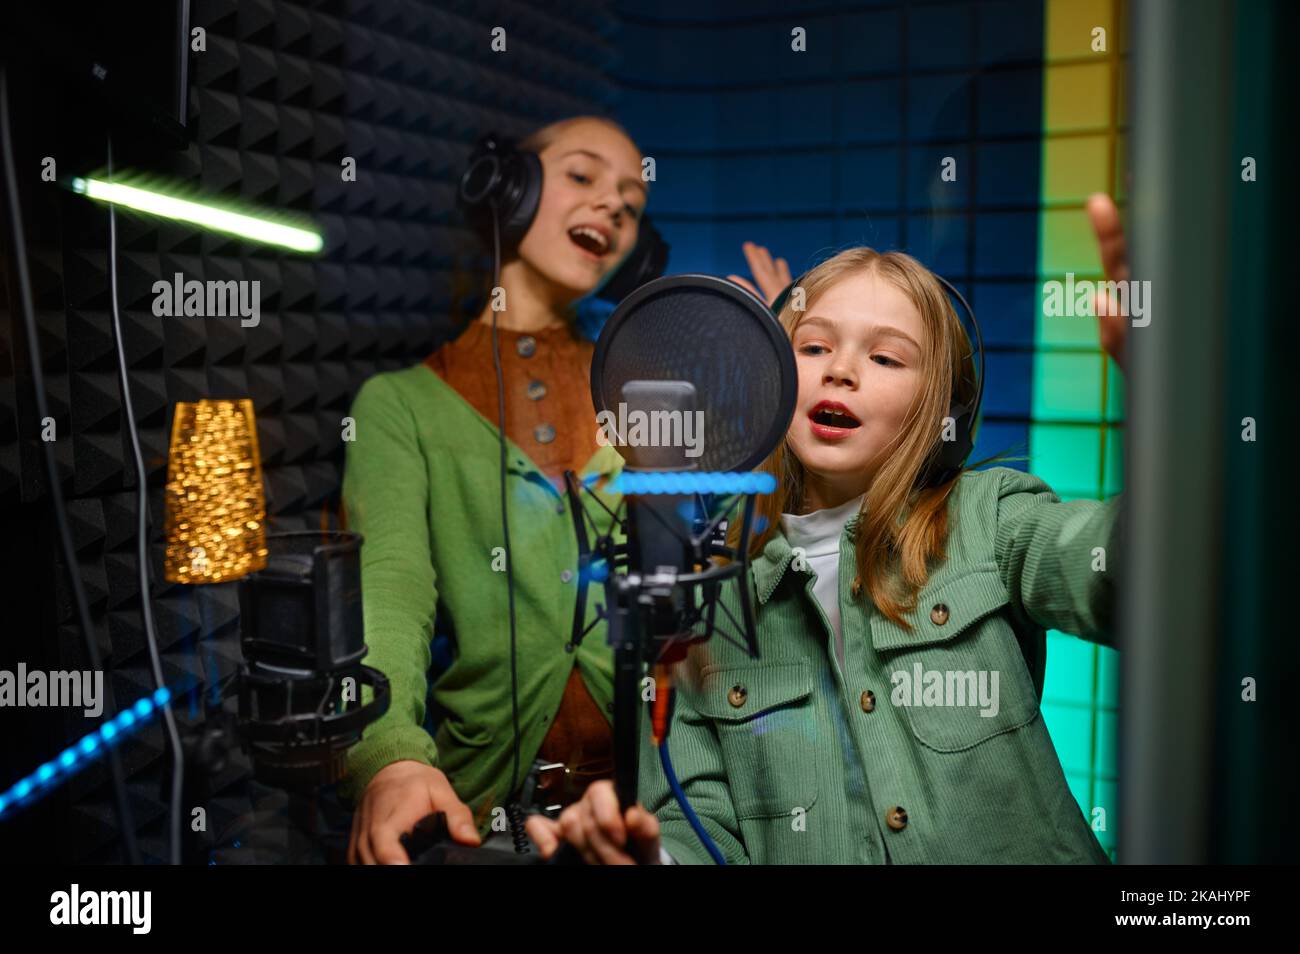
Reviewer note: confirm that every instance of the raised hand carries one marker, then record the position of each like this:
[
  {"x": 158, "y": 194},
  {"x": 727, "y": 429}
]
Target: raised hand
[
  {"x": 1111, "y": 326},
  {"x": 772, "y": 276}
]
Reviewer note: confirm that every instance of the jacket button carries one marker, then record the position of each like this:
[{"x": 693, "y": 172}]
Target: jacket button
[
  {"x": 868, "y": 701},
  {"x": 939, "y": 614},
  {"x": 544, "y": 433},
  {"x": 896, "y": 818},
  {"x": 526, "y": 346},
  {"x": 566, "y": 576},
  {"x": 737, "y": 696},
  {"x": 536, "y": 390}
]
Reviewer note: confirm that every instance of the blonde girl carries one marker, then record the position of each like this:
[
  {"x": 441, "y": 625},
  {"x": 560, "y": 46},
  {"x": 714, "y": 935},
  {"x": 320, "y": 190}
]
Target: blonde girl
[{"x": 893, "y": 716}]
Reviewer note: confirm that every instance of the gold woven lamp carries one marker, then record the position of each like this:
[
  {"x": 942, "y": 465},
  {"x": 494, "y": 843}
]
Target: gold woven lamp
[{"x": 215, "y": 522}]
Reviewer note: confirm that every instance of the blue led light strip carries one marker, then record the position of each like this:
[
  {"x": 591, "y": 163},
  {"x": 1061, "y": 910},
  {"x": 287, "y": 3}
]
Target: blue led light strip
[
  {"x": 691, "y": 482},
  {"x": 56, "y": 771}
]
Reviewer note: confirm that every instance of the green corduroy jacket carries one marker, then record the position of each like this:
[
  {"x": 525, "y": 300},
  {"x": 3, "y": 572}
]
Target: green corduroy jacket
[
  {"x": 791, "y": 758},
  {"x": 421, "y": 485}
]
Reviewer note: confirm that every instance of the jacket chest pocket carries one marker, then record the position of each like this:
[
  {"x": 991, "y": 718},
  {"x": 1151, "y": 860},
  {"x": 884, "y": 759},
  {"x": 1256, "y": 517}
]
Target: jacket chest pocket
[
  {"x": 959, "y": 676},
  {"x": 766, "y": 729}
]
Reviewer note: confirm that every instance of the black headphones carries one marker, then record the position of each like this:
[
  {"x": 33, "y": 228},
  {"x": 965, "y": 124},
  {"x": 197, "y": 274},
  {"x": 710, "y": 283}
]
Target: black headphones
[
  {"x": 503, "y": 179},
  {"x": 951, "y": 456}
]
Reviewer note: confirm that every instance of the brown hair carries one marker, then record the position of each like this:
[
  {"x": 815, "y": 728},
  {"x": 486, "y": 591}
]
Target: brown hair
[
  {"x": 902, "y": 528},
  {"x": 539, "y": 139}
]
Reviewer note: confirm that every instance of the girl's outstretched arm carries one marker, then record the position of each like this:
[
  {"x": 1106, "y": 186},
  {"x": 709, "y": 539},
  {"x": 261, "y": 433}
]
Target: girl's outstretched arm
[{"x": 1058, "y": 559}]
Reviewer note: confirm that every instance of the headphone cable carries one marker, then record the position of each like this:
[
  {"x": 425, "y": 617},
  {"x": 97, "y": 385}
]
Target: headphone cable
[
  {"x": 143, "y": 526},
  {"x": 512, "y": 807}
]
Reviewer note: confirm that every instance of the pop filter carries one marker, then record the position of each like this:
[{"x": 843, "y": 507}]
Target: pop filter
[
  {"x": 717, "y": 337},
  {"x": 696, "y": 379}
]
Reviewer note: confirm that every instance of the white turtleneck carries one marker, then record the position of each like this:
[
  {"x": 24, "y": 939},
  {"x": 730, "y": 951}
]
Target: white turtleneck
[{"x": 817, "y": 534}]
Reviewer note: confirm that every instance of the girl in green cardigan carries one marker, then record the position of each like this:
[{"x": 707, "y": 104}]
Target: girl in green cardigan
[
  {"x": 893, "y": 715},
  {"x": 421, "y": 485}
]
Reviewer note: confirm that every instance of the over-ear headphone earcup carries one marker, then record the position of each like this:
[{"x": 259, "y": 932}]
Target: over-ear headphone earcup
[
  {"x": 498, "y": 173},
  {"x": 519, "y": 195},
  {"x": 648, "y": 260},
  {"x": 479, "y": 180},
  {"x": 951, "y": 455}
]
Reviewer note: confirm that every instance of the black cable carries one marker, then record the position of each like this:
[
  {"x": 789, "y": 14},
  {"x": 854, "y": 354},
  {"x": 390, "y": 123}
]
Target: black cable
[
  {"x": 513, "y": 812},
  {"x": 142, "y": 542},
  {"x": 125, "y": 819}
]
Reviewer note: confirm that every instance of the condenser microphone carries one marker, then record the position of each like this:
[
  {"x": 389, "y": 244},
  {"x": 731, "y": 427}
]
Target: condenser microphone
[{"x": 694, "y": 383}]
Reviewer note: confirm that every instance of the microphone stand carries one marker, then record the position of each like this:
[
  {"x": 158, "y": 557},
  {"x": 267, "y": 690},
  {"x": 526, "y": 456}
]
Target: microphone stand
[
  {"x": 650, "y": 585},
  {"x": 650, "y": 608},
  {"x": 627, "y": 638}
]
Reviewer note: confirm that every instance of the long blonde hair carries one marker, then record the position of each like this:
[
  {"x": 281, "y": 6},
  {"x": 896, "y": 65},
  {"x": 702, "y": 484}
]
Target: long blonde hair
[{"x": 902, "y": 528}]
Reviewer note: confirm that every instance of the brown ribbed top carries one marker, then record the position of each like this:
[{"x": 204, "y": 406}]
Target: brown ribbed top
[
  {"x": 549, "y": 415},
  {"x": 547, "y": 376}
]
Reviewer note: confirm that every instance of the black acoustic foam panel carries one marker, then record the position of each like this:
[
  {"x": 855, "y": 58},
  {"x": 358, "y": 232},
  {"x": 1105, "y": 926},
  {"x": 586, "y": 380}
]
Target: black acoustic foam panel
[{"x": 282, "y": 93}]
